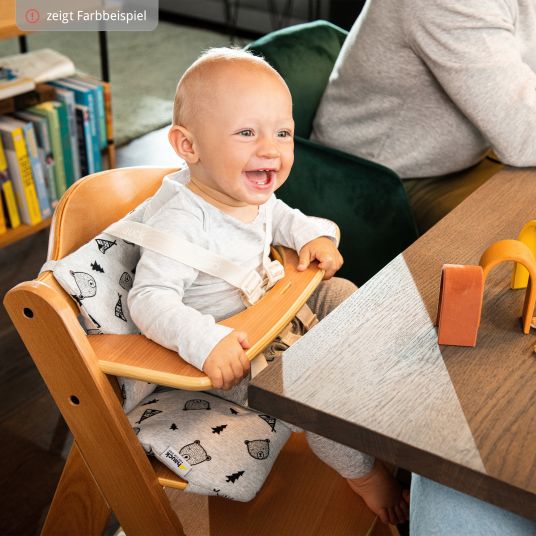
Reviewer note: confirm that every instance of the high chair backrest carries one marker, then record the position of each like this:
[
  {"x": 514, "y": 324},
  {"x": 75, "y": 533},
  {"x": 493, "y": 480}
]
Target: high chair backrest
[{"x": 95, "y": 202}]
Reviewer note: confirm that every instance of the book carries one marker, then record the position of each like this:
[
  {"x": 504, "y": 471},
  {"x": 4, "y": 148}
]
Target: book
[
  {"x": 48, "y": 110},
  {"x": 42, "y": 134},
  {"x": 39, "y": 65},
  {"x": 107, "y": 90},
  {"x": 37, "y": 168},
  {"x": 85, "y": 148},
  {"x": 9, "y": 202},
  {"x": 20, "y": 170},
  {"x": 65, "y": 136},
  {"x": 11, "y": 83},
  {"x": 98, "y": 88},
  {"x": 85, "y": 96},
  {"x": 109, "y": 116},
  {"x": 66, "y": 97},
  {"x": 3, "y": 221}
]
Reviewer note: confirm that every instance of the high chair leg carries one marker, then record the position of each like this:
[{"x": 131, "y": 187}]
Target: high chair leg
[
  {"x": 93, "y": 413},
  {"x": 78, "y": 506}
]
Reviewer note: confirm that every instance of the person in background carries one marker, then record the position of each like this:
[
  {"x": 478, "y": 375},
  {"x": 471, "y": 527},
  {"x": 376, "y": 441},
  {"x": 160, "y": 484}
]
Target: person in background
[{"x": 428, "y": 87}]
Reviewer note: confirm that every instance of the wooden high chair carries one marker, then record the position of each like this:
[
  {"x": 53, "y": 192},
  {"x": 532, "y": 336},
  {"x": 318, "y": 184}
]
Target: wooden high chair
[{"x": 107, "y": 469}]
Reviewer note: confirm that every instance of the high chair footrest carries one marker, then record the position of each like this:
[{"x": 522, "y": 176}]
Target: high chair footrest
[{"x": 166, "y": 477}]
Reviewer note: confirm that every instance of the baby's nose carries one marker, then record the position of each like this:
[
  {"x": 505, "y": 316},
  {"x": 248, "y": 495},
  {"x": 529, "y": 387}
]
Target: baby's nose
[{"x": 269, "y": 150}]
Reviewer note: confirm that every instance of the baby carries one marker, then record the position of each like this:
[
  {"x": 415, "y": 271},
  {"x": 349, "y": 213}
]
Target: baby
[{"x": 233, "y": 126}]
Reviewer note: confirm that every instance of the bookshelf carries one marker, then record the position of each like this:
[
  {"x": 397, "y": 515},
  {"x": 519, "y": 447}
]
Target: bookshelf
[
  {"x": 22, "y": 231},
  {"x": 10, "y": 30},
  {"x": 42, "y": 93}
]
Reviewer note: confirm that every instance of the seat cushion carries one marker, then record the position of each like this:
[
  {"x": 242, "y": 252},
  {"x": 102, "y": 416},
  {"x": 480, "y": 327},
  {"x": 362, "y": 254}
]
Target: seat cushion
[
  {"x": 225, "y": 449},
  {"x": 304, "y": 56},
  {"x": 98, "y": 276}
]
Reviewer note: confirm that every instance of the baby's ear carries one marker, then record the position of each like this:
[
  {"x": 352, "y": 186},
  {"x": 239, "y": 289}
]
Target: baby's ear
[{"x": 182, "y": 141}]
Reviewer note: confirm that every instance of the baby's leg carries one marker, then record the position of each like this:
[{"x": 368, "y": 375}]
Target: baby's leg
[
  {"x": 367, "y": 477},
  {"x": 329, "y": 294}
]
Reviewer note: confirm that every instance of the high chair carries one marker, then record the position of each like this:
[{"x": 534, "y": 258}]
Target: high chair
[{"x": 107, "y": 469}]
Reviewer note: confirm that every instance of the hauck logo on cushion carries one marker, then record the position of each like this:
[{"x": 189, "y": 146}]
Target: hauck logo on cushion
[{"x": 175, "y": 461}]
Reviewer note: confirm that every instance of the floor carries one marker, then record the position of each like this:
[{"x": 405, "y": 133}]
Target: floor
[{"x": 35, "y": 440}]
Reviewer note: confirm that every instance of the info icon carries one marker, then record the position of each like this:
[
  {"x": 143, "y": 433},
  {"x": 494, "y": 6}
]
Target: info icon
[{"x": 32, "y": 16}]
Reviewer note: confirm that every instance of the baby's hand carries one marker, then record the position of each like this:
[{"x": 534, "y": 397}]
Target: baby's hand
[
  {"x": 325, "y": 252},
  {"x": 227, "y": 364}
]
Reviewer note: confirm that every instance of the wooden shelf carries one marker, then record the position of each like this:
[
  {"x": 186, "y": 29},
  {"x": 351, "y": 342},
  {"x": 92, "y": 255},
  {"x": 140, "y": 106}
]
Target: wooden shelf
[{"x": 13, "y": 235}]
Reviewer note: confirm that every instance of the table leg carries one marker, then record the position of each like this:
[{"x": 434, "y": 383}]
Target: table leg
[
  {"x": 103, "y": 47},
  {"x": 23, "y": 44}
]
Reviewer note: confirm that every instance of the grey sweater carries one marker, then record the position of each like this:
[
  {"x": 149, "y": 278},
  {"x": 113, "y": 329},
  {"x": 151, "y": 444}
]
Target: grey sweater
[{"x": 426, "y": 87}]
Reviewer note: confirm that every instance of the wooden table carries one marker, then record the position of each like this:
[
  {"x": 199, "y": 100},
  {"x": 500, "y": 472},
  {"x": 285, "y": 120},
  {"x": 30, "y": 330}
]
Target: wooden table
[{"x": 373, "y": 377}]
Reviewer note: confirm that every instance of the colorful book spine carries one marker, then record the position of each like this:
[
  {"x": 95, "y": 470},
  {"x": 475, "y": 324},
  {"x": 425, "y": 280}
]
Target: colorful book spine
[
  {"x": 66, "y": 97},
  {"x": 42, "y": 134},
  {"x": 108, "y": 110},
  {"x": 21, "y": 172},
  {"x": 65, "y": 135},
  {"x": 85, "y": 147},
  {"x": 37, "y": 170},
  {"x": 85, "y": 97},
  {"x": 9, "y": 201},
  {"x": 47, "y": 110},
  {"x": 3, "y": 220},
  {"x": 98, "y": 92}
]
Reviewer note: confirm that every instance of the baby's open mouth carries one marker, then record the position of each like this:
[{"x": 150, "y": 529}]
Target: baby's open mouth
[{"x": 261, "y": 178}]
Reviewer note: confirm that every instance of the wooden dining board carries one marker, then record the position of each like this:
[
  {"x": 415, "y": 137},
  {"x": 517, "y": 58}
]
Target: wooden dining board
[{"x": 373, "y": 376}]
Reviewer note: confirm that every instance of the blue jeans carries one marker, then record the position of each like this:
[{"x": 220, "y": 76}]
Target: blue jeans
[{"x": 436, "y": 510}]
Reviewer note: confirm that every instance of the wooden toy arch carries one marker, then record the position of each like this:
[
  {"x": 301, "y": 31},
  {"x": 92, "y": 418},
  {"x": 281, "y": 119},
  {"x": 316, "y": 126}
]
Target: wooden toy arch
[
  {"x": 519, "y": 252},
  {"x": 527, "y": 235}
]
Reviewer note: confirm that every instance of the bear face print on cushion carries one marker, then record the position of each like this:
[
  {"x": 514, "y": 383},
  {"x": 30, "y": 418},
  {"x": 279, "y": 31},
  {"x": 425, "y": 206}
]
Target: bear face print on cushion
[
  {"x": 219, "y": 447},
  {"x": 98, "y": 276}
]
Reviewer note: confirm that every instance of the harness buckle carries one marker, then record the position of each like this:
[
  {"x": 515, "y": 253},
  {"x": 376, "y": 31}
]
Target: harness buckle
[
  {"x": 273, "y": 272},
  {"x": 255, "y": 286},
  {"x": 252, "y": 288}
]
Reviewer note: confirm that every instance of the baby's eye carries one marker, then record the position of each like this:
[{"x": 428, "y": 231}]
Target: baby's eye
[
  {"x": 284, "y": 134},
  {"x": 246, "y": 132}
]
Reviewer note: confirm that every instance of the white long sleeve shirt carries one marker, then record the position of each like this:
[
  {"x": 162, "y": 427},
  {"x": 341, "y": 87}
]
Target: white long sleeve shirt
[
  {"x": 177, "y": 306},
  {"x": 426, "y": 87}
]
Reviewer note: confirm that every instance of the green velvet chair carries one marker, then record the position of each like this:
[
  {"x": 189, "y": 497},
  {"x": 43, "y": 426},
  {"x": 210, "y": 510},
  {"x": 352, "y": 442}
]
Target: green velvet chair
[{"x": 365, "y": 199}]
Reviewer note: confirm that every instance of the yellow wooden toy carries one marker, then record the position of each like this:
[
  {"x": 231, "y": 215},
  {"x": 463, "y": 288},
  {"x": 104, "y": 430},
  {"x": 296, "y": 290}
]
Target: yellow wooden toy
[
  {"x": 527, "y": 235},
  {"x": 519, "y": 252}
]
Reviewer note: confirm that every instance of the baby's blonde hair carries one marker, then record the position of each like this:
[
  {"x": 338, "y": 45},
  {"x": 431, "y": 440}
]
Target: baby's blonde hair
[{"x": 188, "y": 85}]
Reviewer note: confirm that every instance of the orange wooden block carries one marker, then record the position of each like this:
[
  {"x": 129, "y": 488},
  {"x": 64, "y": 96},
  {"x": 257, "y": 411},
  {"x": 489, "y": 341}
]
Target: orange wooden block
[{"x": 460, "y": 304}]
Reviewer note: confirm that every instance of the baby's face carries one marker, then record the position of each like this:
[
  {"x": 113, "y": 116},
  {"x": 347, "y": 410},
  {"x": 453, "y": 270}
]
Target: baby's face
[{"x": 244, "y": 136}]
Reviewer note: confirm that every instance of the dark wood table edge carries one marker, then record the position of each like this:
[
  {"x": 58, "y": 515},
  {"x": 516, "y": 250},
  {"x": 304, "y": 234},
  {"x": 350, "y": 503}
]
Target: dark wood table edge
[{"x": 393, "y": 451}]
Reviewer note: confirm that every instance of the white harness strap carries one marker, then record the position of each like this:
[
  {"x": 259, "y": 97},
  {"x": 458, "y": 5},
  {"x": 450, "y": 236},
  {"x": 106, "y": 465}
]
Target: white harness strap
[
  {"x": 252, "y": 285},
  {"x": 273, "y": 270}
]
